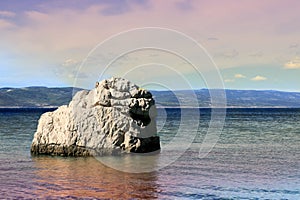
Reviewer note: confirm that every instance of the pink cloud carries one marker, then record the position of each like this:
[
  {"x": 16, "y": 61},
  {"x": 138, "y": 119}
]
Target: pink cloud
[
  {"x": 4, "y": 24},
  {"x": 7, "y": 14}
]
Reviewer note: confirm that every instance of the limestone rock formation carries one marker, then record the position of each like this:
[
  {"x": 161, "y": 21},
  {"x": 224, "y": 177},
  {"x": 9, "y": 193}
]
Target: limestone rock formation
[{"x": 115, "y": 116}]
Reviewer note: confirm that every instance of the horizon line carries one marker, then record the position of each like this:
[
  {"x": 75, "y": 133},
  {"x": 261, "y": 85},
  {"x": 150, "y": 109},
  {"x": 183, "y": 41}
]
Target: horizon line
[{"x": 42, "y": 86}]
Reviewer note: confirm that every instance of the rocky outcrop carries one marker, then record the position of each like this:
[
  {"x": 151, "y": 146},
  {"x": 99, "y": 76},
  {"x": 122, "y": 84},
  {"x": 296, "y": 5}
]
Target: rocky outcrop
[{"x": 116, "y": 116}]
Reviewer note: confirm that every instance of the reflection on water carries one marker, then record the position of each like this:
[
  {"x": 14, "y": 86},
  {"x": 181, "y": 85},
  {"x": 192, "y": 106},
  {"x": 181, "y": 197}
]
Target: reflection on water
[
  {"x": 88, "y": 178},
  {"x": 133, "y": 163}
]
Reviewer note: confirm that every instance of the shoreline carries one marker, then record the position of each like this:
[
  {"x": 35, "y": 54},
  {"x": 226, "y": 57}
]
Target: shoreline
[{"x": 171, "y": 107}]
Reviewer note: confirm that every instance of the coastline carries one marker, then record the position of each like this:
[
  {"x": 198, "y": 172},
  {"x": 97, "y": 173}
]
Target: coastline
[{"x": 170, "y": 107}]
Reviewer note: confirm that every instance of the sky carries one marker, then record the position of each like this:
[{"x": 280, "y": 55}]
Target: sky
[{"x": 249, "y": 44}]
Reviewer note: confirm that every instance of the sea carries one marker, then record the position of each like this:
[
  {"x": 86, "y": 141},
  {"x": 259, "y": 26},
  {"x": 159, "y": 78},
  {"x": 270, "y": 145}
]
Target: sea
[{"x": 256, "y": 155}]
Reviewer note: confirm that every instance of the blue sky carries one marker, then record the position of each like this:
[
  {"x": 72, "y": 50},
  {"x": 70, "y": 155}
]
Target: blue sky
[{"x": 255, "y": 44}]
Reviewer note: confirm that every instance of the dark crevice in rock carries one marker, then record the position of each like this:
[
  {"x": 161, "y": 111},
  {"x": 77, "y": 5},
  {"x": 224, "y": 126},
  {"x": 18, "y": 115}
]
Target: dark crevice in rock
[
  {"x": 142, "y": 120},
  {"x": 146, "y": 145}
]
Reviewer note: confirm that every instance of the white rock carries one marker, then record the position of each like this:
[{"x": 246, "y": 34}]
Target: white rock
[{"x": 115, "y": 116}]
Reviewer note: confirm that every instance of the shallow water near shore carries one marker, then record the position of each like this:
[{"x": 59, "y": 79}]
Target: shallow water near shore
[{"x": 257, "y": 156}]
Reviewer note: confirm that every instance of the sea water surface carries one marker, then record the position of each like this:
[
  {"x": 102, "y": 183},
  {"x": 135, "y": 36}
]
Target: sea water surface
[{"x": 257, "y": 157}]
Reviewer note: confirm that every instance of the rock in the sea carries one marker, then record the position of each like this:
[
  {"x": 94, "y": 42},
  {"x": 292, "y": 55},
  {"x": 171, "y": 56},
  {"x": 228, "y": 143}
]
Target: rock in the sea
[{"x": 116, "y": 116}]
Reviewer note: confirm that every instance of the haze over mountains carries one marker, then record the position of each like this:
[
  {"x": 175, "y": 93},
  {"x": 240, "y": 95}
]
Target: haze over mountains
[{"x": 33, "y": 97}]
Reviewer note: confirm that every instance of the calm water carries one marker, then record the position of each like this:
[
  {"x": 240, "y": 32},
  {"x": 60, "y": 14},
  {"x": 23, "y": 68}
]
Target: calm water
[{"x": 256, "y": 157}]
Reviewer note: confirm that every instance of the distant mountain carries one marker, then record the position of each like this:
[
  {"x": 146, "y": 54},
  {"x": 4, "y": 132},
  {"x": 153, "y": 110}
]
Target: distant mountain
[
  {"x": 54, "y": 97},
  {"x": 234, "y": 98},
  {"x": 35, "y": 96}
]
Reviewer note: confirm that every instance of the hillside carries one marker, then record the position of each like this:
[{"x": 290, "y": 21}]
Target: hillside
[
  {"x": 35, "y": 96},
  {"x": 53, "y": 97},
  {"x": 235, "y": 98}
]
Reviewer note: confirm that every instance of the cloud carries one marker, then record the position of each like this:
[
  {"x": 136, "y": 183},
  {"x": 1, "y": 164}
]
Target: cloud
[
  {"x": 295, "y": 45},
  {"x": 259, "y": 78},
  {"x": 184, "y": 5},
  {"x": 239, "y": 76},
  {"x": 70, "y": 62},
  {"x": 229, "y": 80},
  {"x": 4, "y": 24},
  {"x": 293, "y": 64},
  {"x": 229, "y": 54},
  {"x": 256, "y": 54},
  {"x": 212, "y": 38},
  {"x": 68, "y": 71},
  {"x": 7, "y": 14},
  {"x": 119, "y": 7}
]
